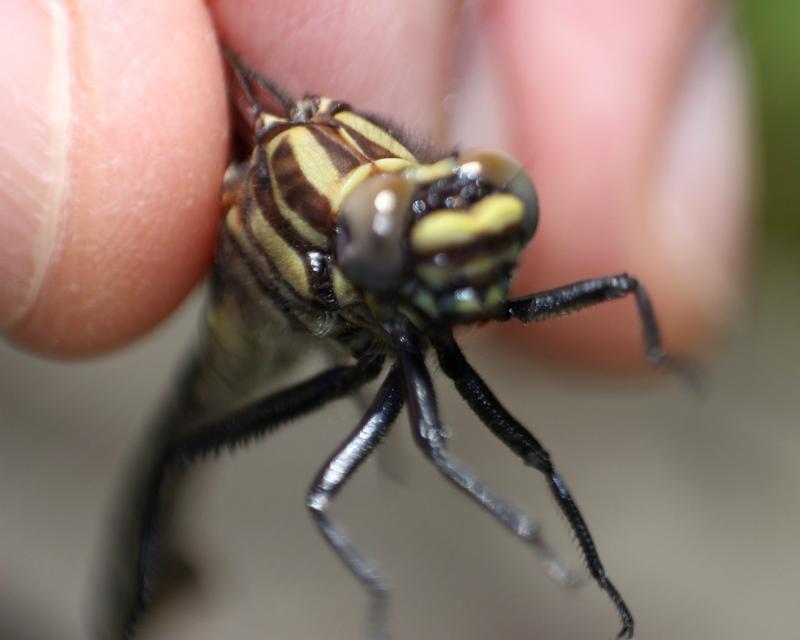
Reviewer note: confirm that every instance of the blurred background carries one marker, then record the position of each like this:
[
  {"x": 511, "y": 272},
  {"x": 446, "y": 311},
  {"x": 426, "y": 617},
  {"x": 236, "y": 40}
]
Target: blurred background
[{"x": 694, "y": 499}]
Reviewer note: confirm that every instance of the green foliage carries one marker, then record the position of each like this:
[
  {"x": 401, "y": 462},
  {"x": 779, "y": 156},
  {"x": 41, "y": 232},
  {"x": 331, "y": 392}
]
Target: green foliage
[{"x": 771, "y": 29}]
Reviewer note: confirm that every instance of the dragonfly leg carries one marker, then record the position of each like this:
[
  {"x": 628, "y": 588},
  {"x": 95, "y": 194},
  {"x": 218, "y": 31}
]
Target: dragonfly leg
[
  {"x": 573, "y": 297},
  {"x": 251, "y": 80},
  {"x": 132, "y": 587},
  {"x": 431, "y": 437},
  {"x": 342, "y": 464},
  {"x": 517, "y": 438}
]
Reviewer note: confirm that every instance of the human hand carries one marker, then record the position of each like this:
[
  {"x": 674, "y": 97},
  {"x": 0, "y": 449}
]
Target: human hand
[{"x": 115, "y": 139}]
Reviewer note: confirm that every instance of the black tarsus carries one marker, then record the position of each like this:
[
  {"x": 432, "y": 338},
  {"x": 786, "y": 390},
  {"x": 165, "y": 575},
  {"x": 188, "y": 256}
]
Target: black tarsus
[
  {"x": 372, "y": 428},
  {"x": 251, "y": 422},
  {"x": 574, "y": 297},
  {"x": 517, "y": 438}
]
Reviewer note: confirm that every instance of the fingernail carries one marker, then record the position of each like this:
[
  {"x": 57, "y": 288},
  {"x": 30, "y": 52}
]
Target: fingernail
[
  {"x": 34, "y": 111},
  {"x": 703, "y": 191}
]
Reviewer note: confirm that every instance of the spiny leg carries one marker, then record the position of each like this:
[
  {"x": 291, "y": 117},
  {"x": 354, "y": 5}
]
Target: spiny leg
[
  {"x": 249, "y": 79},
  {"x": 573, "y": 297},
  {"x": 431, "y": 438},
  {"x": 361, "y": 397},
  {"x": 389, "y": 459},
  {"x": 517, "y": 438},
  {"x": 342, "y": 464},
  {"x": 248, "y": 423}
]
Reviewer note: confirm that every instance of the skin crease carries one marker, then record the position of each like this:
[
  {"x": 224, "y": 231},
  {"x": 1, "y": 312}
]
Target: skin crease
[{"x": 147, "y": 145}]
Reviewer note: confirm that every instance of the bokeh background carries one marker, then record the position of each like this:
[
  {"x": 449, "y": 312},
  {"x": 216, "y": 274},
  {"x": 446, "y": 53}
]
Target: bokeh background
[{"x": 694, "y": 498}]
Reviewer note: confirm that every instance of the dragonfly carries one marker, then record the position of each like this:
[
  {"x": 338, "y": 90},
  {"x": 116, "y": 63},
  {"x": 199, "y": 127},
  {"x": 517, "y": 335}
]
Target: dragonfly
[{"x": 337, "y": 230}]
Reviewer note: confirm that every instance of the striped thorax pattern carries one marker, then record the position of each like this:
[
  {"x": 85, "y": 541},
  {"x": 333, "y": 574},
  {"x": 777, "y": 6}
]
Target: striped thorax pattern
[{"x": 334, "y": 225}]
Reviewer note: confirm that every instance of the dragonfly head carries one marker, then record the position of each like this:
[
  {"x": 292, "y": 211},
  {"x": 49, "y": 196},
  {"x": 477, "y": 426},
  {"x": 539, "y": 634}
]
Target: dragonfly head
[{"x": 438, "y": 241}]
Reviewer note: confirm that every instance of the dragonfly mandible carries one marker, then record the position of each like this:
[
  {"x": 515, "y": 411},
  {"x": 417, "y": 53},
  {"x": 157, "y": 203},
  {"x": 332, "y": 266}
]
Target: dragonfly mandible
[{"x": 337, "y": 229}]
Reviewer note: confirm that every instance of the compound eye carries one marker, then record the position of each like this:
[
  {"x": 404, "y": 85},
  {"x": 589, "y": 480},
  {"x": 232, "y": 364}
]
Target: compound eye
[
  {"x": 370, "y": 232},
  {"x": 507, "y": 175}
]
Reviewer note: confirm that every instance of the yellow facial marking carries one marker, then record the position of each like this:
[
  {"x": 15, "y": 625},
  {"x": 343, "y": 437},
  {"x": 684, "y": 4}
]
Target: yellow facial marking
[
  {"x": 495, "y": 296},
  {"x": 431, "y": 172},
  {"x": 439, "y": 276},
  {"x": 490, "y": 216},
  {"x": 392, "y": 165},
  {"x": 467, "y": 305}
]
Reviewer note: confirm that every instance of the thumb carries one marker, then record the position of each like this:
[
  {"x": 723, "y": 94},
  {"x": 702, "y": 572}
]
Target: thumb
[{"x": 113, "y": 138}]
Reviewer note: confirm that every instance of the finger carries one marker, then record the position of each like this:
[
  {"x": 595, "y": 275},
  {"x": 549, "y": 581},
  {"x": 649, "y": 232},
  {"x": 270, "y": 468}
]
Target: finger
[
  {"x": 109, "y": 178},
  {"x": 390, "y": 58},
  {"x": 635, "y": 130}
]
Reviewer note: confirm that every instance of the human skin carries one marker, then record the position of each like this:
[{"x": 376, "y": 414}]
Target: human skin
[{"x": 631, "y": 119}]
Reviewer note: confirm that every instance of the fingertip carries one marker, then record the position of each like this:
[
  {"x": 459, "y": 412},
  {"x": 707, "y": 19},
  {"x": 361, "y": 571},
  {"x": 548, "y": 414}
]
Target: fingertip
[{"x": 147, "y": 145}]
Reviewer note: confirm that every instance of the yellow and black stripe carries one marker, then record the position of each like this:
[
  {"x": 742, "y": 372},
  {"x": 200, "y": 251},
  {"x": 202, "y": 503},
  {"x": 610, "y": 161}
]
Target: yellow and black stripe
[{"x": 279, "y": 225}]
